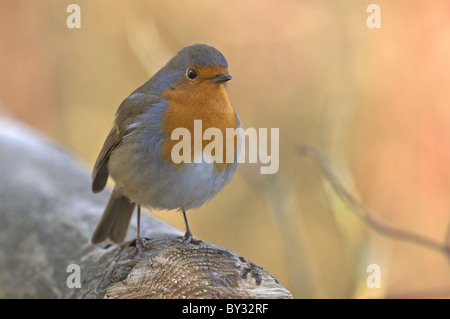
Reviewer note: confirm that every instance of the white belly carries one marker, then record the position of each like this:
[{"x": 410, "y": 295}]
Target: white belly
[{"x": 154, "y": 184}]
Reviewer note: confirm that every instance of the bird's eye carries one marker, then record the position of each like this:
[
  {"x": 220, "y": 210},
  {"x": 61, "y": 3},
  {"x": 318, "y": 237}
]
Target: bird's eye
[{"x": 191, "y": 74}]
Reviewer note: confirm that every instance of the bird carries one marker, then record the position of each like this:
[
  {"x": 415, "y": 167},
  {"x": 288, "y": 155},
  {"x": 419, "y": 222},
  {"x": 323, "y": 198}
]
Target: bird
[{"x": 137, "y": 151}]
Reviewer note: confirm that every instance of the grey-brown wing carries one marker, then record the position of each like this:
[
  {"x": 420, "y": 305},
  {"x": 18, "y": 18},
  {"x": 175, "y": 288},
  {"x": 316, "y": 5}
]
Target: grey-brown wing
[{"x": 131, "y": 107}]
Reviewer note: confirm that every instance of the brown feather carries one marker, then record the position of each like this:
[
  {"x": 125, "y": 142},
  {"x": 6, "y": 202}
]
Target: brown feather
[
  {"x": 131, "y": 107},
  {"x": 115, "y": 219}
]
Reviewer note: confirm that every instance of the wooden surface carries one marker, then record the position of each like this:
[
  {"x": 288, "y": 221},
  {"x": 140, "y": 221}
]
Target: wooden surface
[{"x": 48, "y": 213}]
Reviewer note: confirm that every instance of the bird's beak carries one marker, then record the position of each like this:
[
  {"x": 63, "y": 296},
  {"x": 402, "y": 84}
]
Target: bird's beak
[{"x": 220, "y": 78}]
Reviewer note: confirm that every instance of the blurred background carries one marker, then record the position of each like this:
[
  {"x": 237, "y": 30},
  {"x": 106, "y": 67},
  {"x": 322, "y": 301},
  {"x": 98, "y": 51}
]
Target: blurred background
[{"x": 376, "y": 101}]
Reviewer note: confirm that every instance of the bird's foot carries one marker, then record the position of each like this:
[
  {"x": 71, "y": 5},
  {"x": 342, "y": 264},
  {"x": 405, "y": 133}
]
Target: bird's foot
[
  {"x": 140, "y": 247},
  {"x": 189, "y": 239}
]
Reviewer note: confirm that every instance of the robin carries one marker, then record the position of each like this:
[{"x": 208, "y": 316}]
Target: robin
[{"x": 137, "y": 151}]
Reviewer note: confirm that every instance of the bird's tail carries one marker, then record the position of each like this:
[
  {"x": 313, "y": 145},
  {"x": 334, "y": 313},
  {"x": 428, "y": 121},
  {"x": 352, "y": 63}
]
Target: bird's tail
[{"x": 115, "y": 219}]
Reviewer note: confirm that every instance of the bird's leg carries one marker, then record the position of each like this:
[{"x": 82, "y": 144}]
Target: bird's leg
[
  {"x": 139, "y": 243},
  {"x": 188, "y": 237}
]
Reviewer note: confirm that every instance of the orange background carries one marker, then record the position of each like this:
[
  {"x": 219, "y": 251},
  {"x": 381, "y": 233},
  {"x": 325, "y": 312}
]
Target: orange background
[{"x": 375, "y": 100}]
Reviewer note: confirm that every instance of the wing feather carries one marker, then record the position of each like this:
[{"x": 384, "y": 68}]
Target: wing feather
[{"x": 126, "y": 114}]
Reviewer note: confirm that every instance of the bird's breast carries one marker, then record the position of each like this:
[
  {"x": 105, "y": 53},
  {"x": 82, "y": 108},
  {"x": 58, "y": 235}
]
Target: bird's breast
[{"x": 206, "y": 102}]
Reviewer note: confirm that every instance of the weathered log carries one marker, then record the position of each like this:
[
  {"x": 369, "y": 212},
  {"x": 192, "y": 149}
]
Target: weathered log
[{"x": 47, "y": 214}]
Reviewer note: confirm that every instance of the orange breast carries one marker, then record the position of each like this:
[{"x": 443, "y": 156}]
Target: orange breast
[{"x": 204, "y": 101}]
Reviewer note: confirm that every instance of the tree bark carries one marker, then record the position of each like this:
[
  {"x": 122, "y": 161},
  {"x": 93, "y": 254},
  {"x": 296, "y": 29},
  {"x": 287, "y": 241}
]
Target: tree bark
[{"x": 48, "y": 213}]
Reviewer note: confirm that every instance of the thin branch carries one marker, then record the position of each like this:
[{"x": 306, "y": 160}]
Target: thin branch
[{"x": 374, "y": 222}]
